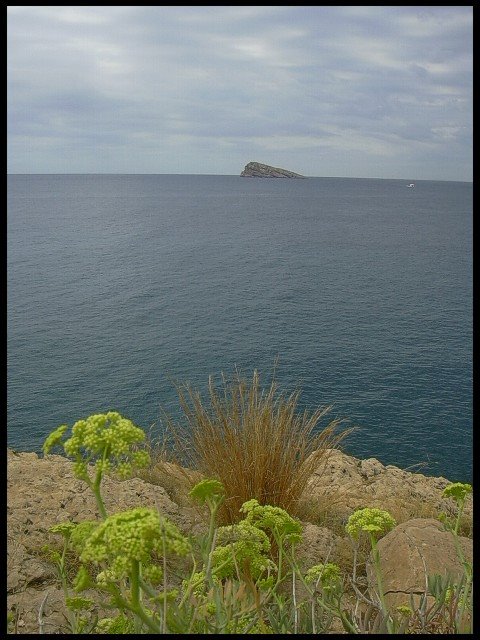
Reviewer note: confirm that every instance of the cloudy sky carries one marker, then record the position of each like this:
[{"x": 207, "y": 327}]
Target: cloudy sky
[{"x": 324, "y": 91}]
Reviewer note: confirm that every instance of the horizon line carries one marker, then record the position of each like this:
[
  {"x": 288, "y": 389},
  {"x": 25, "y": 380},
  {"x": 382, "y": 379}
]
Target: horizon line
[{"x": 230, "y": 175}]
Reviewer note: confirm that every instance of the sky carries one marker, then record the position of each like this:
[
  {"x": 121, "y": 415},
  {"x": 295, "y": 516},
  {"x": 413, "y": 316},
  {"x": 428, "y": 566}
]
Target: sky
[{"x": 346, "y": 91}]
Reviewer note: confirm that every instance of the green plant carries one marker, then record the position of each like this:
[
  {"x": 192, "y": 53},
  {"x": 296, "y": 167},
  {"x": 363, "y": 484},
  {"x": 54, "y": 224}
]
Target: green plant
[
  {"x": 123, "y": 557},
  {"x": 243, "y": 577},
  {"x": 77, "y": 622},
  {"x": 444, "y": 607},
  {"x": 458, "y": 597},
  {"x": 106, "y": 441},
  {"x": 10, "y": 622},
  {"x": 458, "y": 491},
  {"x": 374, "y": 523}
]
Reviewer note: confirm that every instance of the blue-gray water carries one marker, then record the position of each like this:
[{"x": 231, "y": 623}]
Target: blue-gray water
[{"x": 119, "y": 284}]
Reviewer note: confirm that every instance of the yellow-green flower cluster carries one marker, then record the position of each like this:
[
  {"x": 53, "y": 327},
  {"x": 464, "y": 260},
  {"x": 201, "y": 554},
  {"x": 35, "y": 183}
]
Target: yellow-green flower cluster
[
  {"x": 165, "y": 596},
  {"x": 197, "y": 583},
  {"x": 458, "y": 491},
  {"x": 81, "y": 533},
  {"x": 132, "y": 535},
  {"x": 453, "y": 592},
  {"x": 200, "y": 595},
  {"x": 153, "y": 573},
  {"x": 102, "y": 430},
  {"x": 65, "y": 528},
  {"x": 449, "y": 593},
  {"x": 123, "y": 470},
  {"x": 78, "y": 603},
  {"x": 107, "y": 439},
  {"x": 274, "y": 519},
  {"x": 103, "y": 466},
  {"x": 244, "y": 626},
  {"x": 405, "y": 610},
  {"x": 238, "y": 545},
  {"x": 370, "y": 520},
  {"x": 208, "y": 489},
  {"x": 328, "y": 574},
  {"x": 82, "y": 580},
  {"x": 140, "y": 459},
  {"x": 119, "y": 568},
  {"x": 80, "y": 469},
  {"x": 115, "y": 626},
  {"x": 54, "y": 438}
]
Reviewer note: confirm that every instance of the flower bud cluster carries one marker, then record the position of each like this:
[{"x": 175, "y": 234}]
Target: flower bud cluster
[
  {"x": 81, "y": 533},
  {"x": 131, "y": 536},
  {"x": 274, "y": 519},
  {"x": 115, "y": 626},
  {"x": 458, "y": 491},
  {"x": 54, "y": 438},
  {"x": 107, "y": 439},
  {"x": 78, "y": 603},
  {"x": 208, "y": 489},
  {"x": 370, "y": 520},
  {"x": 65, "y": 528},
  {"x": 197, "y": 583},
  {"x": 82, "y": 580},
  {"x": 239, "y": 544},
  {"x": 153, "y": 573},
  {"x": 328, "y": 574},
  {"x": 102, "y": 430}
]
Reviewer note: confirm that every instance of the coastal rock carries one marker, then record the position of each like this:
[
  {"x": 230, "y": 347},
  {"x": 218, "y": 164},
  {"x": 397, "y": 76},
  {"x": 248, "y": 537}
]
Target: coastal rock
[
  {"x": 43, "y": 491},
  {"x": 411, "y": 551},
  {"x": 343, "y": 484},
  {"x": 258, "y": 170},
  {"x": 318, "y": 545}
]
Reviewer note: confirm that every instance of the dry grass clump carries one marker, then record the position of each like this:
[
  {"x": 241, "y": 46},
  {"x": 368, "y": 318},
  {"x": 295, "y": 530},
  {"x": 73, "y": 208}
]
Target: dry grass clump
[{"x": 254, "y": 441}]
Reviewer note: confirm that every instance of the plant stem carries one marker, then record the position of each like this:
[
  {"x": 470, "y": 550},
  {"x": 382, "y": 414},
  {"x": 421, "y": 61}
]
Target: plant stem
[
  {"x": 354, "y": 570},
  {"x": 137, "y": 610},
  {"x": 100, "y": 504},
  {"x": 164, "y": 621},
  {"x": 459, "y": 515},
  {"x": 63, "y": 577},
  {"x": 135, "y": 583},
  {"x": 376, "y": 561},
  {"x": 97, "y": 483},
  {"x": 294, "y": 598}
]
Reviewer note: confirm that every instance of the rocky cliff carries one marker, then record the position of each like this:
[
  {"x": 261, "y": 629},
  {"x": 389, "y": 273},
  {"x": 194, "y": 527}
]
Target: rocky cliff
[
  {"x": 43, "y": 491},
  {"x": 258, "y": 170}
]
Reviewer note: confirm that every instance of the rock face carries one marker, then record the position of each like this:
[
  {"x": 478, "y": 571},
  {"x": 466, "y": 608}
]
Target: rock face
[
  {"x": 42, "y": 491},
  {"x": 412, "y": 549},
  {"x": 343, "y": 483},
  {"x": 258, "y": 170}
]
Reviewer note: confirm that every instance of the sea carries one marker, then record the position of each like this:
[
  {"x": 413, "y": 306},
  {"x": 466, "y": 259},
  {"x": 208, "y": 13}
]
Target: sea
[{"x": 357, "y": 292}]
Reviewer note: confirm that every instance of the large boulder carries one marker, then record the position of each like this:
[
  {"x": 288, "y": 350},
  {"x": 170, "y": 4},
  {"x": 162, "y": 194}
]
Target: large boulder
[{"x": 410, "y": 552}]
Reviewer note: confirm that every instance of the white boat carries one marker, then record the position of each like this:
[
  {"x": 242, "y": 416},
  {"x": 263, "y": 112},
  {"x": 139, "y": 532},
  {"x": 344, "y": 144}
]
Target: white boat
[{"x": 412, "y": 184}]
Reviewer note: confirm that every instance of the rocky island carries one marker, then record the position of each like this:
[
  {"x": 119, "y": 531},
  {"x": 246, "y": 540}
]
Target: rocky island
[{"x": 258, "y": 170}]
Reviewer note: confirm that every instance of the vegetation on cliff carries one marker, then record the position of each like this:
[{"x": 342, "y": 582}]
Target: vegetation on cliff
[{"x": 136, "y": 571}]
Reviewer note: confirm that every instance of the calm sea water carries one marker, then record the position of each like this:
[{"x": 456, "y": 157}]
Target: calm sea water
[{"x": 119, "y": 285}]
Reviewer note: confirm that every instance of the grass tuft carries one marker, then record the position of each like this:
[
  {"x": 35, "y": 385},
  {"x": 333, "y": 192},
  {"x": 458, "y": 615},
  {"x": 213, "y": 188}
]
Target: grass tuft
[{"x": 254, "y": 440}]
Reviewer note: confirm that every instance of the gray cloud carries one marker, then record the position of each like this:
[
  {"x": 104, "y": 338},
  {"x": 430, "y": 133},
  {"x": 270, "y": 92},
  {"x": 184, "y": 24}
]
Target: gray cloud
[{"x": 345, "y": 91}]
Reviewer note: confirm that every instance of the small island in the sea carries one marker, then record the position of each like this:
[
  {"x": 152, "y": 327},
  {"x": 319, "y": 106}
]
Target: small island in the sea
[{"x": 258, "y": 170}]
